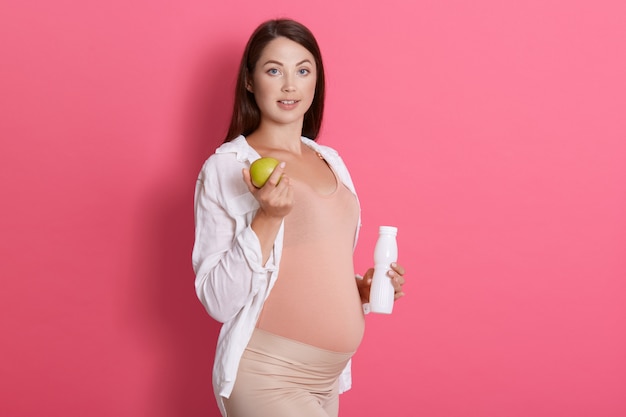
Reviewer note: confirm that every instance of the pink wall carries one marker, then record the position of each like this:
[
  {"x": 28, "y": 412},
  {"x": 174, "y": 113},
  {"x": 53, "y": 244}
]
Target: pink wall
[{"x": 492, "y": 133}]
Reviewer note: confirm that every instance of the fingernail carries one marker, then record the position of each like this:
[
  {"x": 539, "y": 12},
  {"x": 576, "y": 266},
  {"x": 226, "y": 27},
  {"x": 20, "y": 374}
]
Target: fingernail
[
  {"x": 394, "y": 264},
  {"x": 282, "y": 164}
]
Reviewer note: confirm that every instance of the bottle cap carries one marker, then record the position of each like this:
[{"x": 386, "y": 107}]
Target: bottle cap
[{"x": 388, "y": 230}]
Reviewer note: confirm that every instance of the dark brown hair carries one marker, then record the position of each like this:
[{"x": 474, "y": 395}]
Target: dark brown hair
[{"x": 246, "y": 114}]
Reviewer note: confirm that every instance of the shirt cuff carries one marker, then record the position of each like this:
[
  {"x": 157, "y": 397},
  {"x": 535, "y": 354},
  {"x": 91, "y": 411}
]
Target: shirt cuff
[
  {"x": 252, "y": 252},
  {"x": 366, "y": 308}
]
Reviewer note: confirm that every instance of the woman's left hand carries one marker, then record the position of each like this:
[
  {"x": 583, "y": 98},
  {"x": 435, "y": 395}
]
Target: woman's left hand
[{"x": 396, "y": 274}]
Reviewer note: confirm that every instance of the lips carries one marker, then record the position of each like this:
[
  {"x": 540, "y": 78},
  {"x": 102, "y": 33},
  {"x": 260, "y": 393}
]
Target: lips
[{"x": 288, "y": 104}]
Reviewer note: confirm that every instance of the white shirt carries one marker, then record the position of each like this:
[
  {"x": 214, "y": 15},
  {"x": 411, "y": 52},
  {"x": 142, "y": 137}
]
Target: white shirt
[{"x": 231, "y": 281}]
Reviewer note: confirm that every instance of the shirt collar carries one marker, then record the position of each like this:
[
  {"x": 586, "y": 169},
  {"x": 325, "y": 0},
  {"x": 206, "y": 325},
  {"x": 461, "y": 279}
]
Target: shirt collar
[{"x": 245, "y": 152}]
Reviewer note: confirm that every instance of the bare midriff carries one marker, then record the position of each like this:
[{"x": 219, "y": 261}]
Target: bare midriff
[{"x": 315, "y": 299}]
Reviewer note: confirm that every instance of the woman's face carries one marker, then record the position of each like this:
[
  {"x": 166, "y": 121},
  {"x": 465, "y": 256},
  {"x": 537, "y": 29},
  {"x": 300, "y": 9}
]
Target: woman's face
[{"x": 283, "y": 82}]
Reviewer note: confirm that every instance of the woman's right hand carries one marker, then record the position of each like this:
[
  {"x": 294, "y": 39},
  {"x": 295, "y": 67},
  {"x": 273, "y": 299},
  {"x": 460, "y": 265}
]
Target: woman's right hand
[
  {"x": 276, "y": 196},
  {"x": 275, "y": 200}
]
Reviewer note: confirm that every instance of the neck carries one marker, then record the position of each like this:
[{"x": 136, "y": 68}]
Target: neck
[{"x": 276, "y": 137}]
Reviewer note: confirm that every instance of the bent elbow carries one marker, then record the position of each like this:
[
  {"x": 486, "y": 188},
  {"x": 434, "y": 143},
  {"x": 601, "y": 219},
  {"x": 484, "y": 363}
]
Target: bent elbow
[{"x": 219, "y": 308}]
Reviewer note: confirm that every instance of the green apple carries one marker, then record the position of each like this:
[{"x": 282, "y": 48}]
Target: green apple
[{"x": 261, "y": 169}]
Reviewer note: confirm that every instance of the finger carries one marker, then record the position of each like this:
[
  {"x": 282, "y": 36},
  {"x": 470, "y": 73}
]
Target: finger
[
  {"x": 395, "y": 275},
  {"x": 364, "y": 291},
  {"x": 397, "y": 283},
  {"x": 369, "y": 274},
  {"x": 399, "y": 269},
  {"x": 283, "y": 192},
  {"x": 276, "y": 175},
  {"x": 281, "y": 197},
  {"x": 284, "y": 186},
  {"x": 246, "y": 178}
]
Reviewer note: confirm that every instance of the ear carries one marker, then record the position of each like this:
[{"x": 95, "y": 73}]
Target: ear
[{"x": 249, "y": 84}]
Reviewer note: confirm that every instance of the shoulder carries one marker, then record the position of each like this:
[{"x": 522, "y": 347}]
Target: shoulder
[
  {"x": 228, "y": 157},
  {"x": 334, "y": 159},
  {"x": 219, "y": 164},
  {"x": 326, "y": 151},
  {"x": 221, "y": 175}
]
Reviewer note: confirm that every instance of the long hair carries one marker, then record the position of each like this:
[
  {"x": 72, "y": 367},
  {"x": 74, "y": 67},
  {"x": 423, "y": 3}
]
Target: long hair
[{"x": 246, "y": 116}]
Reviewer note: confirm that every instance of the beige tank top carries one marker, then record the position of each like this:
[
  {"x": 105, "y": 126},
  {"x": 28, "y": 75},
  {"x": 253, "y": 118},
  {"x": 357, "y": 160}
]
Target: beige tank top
[{"x": 315, "y": 299}]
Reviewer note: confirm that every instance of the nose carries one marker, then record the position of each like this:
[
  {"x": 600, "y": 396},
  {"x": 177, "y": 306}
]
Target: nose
[{"x": 288, "y": 84}]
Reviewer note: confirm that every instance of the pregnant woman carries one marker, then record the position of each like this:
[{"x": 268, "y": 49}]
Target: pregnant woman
[{"x": 275, "y": 264}]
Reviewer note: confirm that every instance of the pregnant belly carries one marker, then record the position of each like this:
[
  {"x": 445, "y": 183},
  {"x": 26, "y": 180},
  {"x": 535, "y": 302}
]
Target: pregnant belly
[{"x": 322, "y": 311}]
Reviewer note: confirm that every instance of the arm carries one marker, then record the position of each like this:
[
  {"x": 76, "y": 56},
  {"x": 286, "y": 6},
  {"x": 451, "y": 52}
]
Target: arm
[
  {"x": 275, "y": 200},
  {"x": 226, "y": 254},
  {"x": 232, "y": 262}
]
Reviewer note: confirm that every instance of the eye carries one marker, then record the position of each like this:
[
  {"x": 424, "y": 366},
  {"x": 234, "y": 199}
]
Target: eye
[
  {"x": 303, "y": 71},
  {"x": 273, "y": 71}
]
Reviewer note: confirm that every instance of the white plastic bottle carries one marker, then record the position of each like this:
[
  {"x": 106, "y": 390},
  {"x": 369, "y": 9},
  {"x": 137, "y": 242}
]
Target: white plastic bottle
[{"x": 385, "y": 252}]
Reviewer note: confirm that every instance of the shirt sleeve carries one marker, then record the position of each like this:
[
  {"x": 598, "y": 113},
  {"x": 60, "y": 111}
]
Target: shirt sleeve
[{"x": 226, "y": 256}]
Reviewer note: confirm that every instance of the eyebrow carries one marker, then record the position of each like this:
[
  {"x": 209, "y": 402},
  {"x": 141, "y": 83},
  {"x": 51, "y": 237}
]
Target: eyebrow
[{"x": 271, "y": 61}]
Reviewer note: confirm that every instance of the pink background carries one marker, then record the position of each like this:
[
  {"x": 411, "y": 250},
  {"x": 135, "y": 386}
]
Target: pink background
[{"x": 492, "y": 133}]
